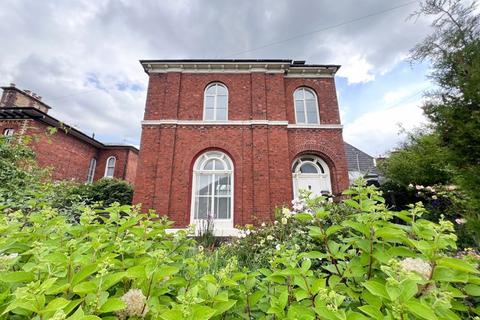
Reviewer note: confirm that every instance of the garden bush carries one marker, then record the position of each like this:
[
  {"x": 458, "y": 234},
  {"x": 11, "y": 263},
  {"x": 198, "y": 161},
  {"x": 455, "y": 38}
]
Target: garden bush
[{"x": 368, "y": 263}]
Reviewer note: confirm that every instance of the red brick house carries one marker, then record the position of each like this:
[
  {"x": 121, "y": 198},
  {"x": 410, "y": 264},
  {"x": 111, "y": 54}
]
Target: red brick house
[
  {"x": 70, "y": 153},
  {"x": 233, "y": 139}
]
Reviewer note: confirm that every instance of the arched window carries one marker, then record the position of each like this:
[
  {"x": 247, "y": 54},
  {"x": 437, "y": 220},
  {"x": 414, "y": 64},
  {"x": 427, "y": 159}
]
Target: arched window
[
  {"x": 306, "y": 106},
  {"x": 212, "y": 192},
  {"x": 91, "y": 170},
  {"x": 311, "y": 173},
  {"x": 215, "y": 102},
  {"x": 110, "y": 167}
]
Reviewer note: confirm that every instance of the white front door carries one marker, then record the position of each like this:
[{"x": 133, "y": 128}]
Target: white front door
[{"x": 312, "y": 174}]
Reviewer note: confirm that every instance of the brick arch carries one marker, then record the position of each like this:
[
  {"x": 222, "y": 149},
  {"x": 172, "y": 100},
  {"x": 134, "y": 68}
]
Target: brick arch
[
  {"x": 209, "y": 145},
  {"x": 324, "y": 152}
]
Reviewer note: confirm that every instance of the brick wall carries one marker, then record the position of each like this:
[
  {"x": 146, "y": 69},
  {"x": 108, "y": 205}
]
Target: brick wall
[
  {"x": 125, "y": 164},
  {"x": 262, "y": 155}
]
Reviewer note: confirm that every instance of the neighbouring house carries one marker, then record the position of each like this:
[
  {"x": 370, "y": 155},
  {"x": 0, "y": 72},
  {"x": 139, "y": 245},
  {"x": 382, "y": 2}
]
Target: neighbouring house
[
  {"x": 234, "y": 139},
  {"x": 361, "y": 165},
  {"x": 70, "y": 153}
]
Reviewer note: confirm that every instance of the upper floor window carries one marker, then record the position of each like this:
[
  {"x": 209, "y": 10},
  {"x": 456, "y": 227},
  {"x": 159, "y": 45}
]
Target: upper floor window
[
  {"x": 8, "y": 132},
  {"x": 91, "y": 170},
  {"x": 306, "y": 106},
  {"x": 215, "y": 102},
  {"x": 110, "y": 167}
]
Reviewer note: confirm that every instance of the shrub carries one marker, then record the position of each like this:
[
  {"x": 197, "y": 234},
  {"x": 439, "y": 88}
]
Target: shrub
[{"x": 371, "y": 263}]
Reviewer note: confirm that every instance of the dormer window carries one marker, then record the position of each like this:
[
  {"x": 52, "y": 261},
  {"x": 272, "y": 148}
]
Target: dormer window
[
  {"x": 306, "y": 106},
  {"x": 215, "y": 103}
]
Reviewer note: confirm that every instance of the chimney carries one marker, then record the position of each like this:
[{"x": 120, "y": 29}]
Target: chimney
[{"x": 15, "y": 98}]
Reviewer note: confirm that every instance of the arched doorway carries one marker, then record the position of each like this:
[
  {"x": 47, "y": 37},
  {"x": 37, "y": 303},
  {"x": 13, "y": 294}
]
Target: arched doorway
[{"x": 311, "y": 173}]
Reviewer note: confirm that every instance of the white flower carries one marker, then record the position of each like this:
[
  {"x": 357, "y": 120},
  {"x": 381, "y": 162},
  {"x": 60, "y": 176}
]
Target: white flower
[
  {"x": 419, "y": 187},
  {"x": 200, "y": 248},
  {"x": 429, "y": 188},
  {"x": 270, "y": 238},
  {"x": 275, "y": 222},
  {"x": 451, "y": 187},
  {"x": 248, "y": 232},
  {"x": 418, "y": 266},
  {"x": 135, "y": 304},
  {"x": 434, "y": 197},
  {"x": 277, "y": 247},
  {"x": 461, "y": 221},
  {"x": 410, "y": 186},
  {"x": 242, "y": 235},
  {"x": 263, "y": 224},
  {"x": 284, "y": 221}
]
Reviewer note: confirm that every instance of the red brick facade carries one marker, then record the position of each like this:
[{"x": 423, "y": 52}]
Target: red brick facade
[
  {"x": 260, "y": 135},
  {"x": 67, "y": 151}
]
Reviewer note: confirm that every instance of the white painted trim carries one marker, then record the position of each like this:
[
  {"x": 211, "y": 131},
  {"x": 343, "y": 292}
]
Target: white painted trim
[
  {"x": 305, "y": 75},
  {"x": 315, "y": 126},
  {"x": 114, "y": 165},
  {"x": 215, "y": 102},
  {"x": 304, "y": 102},
  {"x": 215, "y": 123},
  {"x": 233, "y": 232}
]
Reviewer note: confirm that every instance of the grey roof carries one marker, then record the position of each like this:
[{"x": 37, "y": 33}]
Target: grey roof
[{"x": 359, "y": 161}]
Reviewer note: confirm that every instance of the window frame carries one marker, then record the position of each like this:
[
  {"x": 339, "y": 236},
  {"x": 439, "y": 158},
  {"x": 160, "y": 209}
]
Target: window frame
[
  {"x": 304, "y": 102},
  {"x": 198, "y": 170},
  {"x": 91, "y": 170},
  {"x": 8, "y": 132},
  {"x": 215, "y": 104},
  {"x": 107, "y": 167}
]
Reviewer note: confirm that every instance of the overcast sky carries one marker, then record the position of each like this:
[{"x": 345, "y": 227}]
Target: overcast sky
[{"x": 82, "y": 56}]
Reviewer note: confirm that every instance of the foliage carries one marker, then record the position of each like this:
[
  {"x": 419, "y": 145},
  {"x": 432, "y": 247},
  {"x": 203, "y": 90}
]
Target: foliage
[
  {"x": 420, "y": 160},
  {"x": 371, "y": 263},
  {"x": 454, "y": 108}
]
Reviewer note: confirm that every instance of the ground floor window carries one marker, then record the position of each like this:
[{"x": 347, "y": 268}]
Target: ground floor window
[
  {"x": 311, "y": 173},
  {"x": 212, "y": 189}
]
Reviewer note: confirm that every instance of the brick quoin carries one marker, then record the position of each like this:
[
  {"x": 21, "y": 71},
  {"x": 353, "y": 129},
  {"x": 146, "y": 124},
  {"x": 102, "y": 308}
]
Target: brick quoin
[{"x": 262, "y": 152}]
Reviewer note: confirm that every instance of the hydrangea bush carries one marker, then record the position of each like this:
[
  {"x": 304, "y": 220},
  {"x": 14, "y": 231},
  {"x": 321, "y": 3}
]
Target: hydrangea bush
[{"x": 355, "y": 260}]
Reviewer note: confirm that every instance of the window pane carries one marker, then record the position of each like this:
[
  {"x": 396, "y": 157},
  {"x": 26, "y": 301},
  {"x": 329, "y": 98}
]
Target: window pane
[
  {"x": 211, "y": 90},
  {"x": 299, "y": 94},
  {"x": 202, "y": 207},
  {"x": 221, "y": 114},
  {"x": 209, "y": 102},
  {"x": 204, "y": 186},
  {"x": 300, "y": 117},
  {"x": 209, "y": 114},
  {"x": 221, "y": 90},
  {"x": 308, "y": 168},
  {"x": 222, "y": 102},
  {"x": 222, "y": 184},
  {"x": 309, "y": 95},
  {"x": 209, "y": 165},
  {"x": 222, "y": 208},
  {"x": 311, "y": 111},
  {"x": 219, "y": 165},
  {"x": 110, "y": 172}
]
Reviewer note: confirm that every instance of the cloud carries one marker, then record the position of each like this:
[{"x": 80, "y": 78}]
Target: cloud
[
  {"x": 376, "y": 132},
  {"x": 82, "y": 56}
]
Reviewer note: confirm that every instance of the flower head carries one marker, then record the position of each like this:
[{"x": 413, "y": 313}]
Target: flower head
[
  {"x": 270, "y": 238},
  {"x": 417, "y": 265},
  {"x": 284, "y": 221},
  {"x": 135, "y": 304},
  {"x": 460, "y": 221}
]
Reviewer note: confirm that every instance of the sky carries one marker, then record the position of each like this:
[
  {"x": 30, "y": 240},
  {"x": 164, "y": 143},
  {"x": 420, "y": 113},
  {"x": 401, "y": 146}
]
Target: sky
[{"x": 82, "y": 56}]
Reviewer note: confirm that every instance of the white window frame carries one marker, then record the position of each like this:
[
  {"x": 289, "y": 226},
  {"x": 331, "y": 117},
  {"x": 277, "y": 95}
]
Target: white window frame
[
  {"x": 219, "y": 224},
  {"x": 215, "y": 104},
  {"x": 91, "y": 170},
  {"x": 8, "y": 132},
  {"x": 107, "y": 166},
  {"x": 304, "y": 102}
]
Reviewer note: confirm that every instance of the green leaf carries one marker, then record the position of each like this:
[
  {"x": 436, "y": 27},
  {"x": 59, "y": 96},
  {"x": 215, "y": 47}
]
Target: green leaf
[
  {"x": 83, "y": 273},
  {"x": 173, "y": 314},
  {"x": 85, "y": 287},
  {"x": 56, "y": 304},
  {"x": 333, "y": 229},
  {"x": 303, "y": 217},
  {"x": 371, "y": 311},
  {"x": 16, "y": 276},
  {"x": 112, "y": 279},
  {"x": 421, "y": 310},
  {"x": 221, "y": 307},
  {"x": 457, "y": 264},
  {"x": 165, "y": 271},
  {"x": 112, "y": 304},
  {"x": 376, "y": 288},
  {"x": 202, "y": 312},
  {"x": 472, "y": 290}
]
